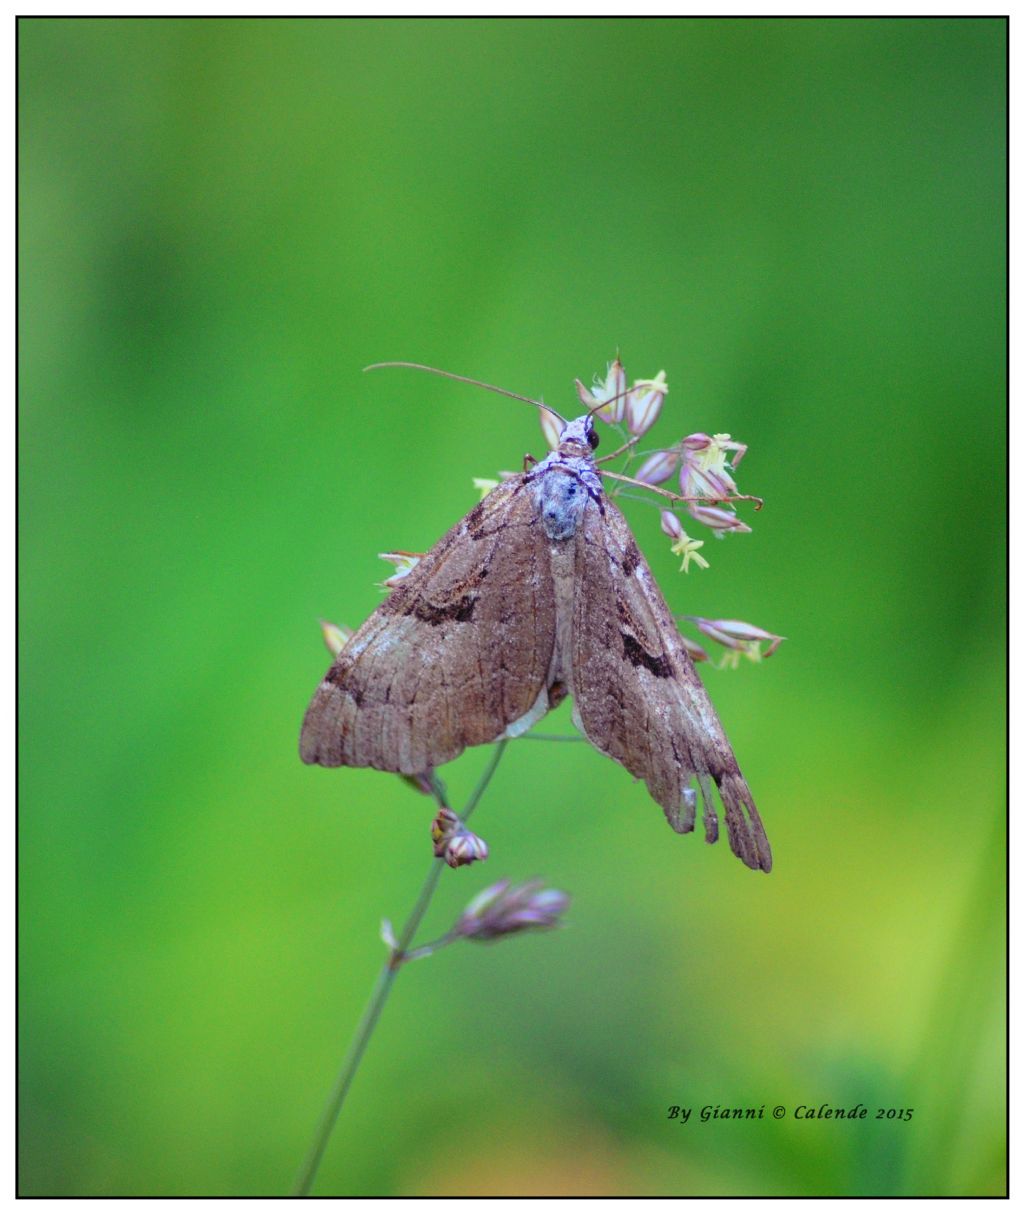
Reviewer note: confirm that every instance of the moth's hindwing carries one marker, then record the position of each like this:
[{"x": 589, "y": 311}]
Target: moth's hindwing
[
  {"x": 460, "y": 650},
  {"x": 637, "y": 695}
]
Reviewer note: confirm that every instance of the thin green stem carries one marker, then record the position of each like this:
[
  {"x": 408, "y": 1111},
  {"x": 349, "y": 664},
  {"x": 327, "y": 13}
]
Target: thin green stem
[
  {"x": 485, "y": 779},
  {"x": 636, "y": 497},
  {"x": 304, "y": 1180},
  {"x": 552, "y": 737},
  {"x": 626, "y": 446},
  {"x": 385, "y": 980},
  {"x": 428, "y": 950},
  {"x": 679, "y": 497}
]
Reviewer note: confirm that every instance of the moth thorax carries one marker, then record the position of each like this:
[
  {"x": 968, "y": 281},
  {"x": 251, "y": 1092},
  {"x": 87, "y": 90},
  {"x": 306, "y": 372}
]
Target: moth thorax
[{"x": 561, "y": 499}]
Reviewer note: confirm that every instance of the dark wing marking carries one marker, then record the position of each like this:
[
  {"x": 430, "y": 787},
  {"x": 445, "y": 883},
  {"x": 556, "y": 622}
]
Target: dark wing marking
[{"x": 459, "y": 650}]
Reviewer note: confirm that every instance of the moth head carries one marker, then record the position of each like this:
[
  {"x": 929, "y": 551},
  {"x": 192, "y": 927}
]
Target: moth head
[{"x": 579, "y": 437}]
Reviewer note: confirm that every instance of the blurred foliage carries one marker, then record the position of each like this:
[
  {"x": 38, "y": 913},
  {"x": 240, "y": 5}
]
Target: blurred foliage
[{"x": 221, "y": 222}]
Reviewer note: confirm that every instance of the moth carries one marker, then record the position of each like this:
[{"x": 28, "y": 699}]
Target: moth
[{"x": 539, "y": 593}]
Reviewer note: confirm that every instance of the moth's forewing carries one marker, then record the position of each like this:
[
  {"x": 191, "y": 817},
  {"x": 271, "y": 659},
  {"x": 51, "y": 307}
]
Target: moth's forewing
[
  {"x": 637, "y": 695},
  {"x": 459, "y": 651}
]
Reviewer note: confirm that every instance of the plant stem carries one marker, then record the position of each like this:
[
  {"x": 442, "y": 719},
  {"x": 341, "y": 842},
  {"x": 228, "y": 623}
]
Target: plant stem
[
  {"x": 385, "y": 980},
  {"x": 484, "y": 780},
  {"x": 551, "y": 737},
  {"x": 304, "y": 1180},
  {"x": 428, "y": 950}
]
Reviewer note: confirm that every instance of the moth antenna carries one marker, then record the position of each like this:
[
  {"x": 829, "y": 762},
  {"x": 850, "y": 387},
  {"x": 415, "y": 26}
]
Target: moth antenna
[
  {"x": 605, "y": 403},
  {"x": 478, "y": 383},
  {"x": 678, "y": 497}
]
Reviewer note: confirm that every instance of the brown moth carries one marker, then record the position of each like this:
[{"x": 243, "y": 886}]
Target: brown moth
[{"x": 538, "y": 593}]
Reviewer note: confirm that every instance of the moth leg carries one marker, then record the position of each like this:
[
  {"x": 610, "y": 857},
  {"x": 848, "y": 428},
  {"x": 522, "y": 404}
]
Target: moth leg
[{"x": 529, "y": 461}]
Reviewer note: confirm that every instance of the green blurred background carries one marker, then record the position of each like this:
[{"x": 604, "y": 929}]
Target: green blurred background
[{"x": 221, "y": 222}]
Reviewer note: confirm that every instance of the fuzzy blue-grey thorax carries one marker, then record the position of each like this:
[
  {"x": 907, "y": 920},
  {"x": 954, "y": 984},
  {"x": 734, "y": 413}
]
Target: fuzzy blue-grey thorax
[{"x": 564, "y": 482}]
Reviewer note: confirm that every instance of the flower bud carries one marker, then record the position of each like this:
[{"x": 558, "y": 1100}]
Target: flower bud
[
  {"x": 587, "y": 398},
  {"x": 697, "y": 442},
  {"x": 443, "y": 828},
  {"x": 484, "y": 484},
  {"x": 454, "y": 842},
  {"x": 739, "y": 636},
  {"x": 712, "y": 484},
  {"x": 658, "y": 467},
  {"x": 504, "y": 909},
  {"x": 703, "y": 473},
  {"x": 643, "y": 404},
  {"x": 719, "y": 520},
  {"x": 551, "y": 428},
  {"x": 715, "y": 445},
  {"x": 682, "y": 545},
  {"x": 642, "y": 411},
  {"x": 404, "y": 563},
  {"x": 612, "y": 390},
  {"x": 465, "y": 848},
  {"x": 697, "y": 652},
  {"x": 336, "y": 636},
  {"x": 671, "y": 525}
]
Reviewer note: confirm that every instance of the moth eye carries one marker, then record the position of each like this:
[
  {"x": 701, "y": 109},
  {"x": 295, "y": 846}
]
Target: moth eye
[{"x": 593, "y": 438}]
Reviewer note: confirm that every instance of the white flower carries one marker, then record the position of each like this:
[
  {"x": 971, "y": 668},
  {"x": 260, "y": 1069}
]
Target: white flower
[
  {"x": 644, "y": 403},
  {"x": 503, "y": 908},
  {"x": 551, "y": 428},
  {"x": 658, "y": 467},
  {"x": 682, "y": 545},
  {"x": 704, "y": 472},
  {"x": 404, "y": 563},
  {"x": 336, "y": 636},
  {"x": 740, "y": 637},
  {"x": 719, "y": 520},
  {"x": 613, "y": 390}
]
